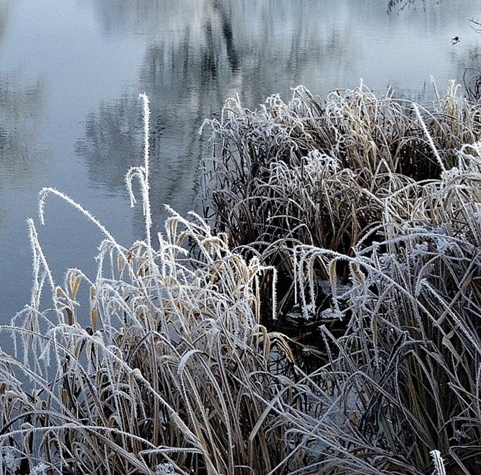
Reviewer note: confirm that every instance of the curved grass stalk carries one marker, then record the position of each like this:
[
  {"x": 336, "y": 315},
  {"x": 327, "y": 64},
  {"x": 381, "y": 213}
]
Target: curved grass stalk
[{"x": 429, "y": 138}]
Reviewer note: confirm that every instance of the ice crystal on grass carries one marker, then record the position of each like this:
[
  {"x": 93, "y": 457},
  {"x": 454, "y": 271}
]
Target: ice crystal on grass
[
  {"x": 393, "y": 213},
  {"x": 173, "y": 349},
  {"x": 10, "y": 457},
  {"x": 438, "y": 463},
  {"x": 165, "y": 469},
  {"x": 40, "y": 469}
]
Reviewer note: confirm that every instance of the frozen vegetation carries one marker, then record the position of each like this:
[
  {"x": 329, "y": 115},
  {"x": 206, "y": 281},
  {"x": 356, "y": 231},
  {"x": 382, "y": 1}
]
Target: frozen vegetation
[{"x": 322, "y": 316}]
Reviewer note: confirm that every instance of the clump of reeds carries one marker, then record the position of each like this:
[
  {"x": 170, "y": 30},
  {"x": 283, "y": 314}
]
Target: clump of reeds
[
  {"x": 168, "y": 371},
  {"x": 380, "y": 200},
  {"x": 408, "y": 366},
  {"x": 316, "y": 173}
]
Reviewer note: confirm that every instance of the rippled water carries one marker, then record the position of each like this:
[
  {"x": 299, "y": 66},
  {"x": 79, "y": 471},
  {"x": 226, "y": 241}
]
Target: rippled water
[{"x": 71, "y": 72}]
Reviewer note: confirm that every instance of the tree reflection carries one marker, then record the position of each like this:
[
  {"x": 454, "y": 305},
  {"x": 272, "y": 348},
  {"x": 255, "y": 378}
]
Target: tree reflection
[
  {"x": 203, "y": 53},
  {"x": 207, "y": 51},
  {"x": 4, "y": 5},
  {"x": 398, "y": 5},
  {"x": 147, "y": 16},
  {"x": 20, "y": 106},
  {"x": 112, "y": 142},
  {"x": 469, "y": 71}
]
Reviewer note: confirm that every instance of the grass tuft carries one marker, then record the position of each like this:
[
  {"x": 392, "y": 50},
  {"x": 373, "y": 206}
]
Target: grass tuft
[{"x": 351, "y": 225}]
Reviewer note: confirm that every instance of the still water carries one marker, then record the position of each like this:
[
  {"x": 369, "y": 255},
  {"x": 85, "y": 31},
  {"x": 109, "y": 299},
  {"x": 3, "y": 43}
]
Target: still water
[{"x": 71, "y": 72}]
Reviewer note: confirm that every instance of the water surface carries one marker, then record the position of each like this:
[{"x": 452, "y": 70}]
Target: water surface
[{"x": 71, "y": 72}]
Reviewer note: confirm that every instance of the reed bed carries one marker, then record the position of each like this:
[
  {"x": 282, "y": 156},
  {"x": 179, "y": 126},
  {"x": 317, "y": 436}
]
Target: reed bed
[
  {"x": 173, "y": 371},
  {"x": 369, "y": 208},
  {"x": 317, "y": 172},
  {"x": 167, "y": 369},
  {"x": 408, "y": 366},
  {"x": 176, "y": 363}
]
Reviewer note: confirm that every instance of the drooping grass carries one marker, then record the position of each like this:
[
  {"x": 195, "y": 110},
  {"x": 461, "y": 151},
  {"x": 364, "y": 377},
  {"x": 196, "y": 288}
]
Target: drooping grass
[
  {"x": 380, "y": 200},
  {"x": 175, "y": 371},
  {"x": 174, "y": 374},
  {"x": 316, "y": 172},
  {"x": 409, "y": 362}
]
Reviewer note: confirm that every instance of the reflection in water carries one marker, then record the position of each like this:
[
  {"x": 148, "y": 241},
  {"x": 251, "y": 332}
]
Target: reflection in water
[
  {"x": 112, "y": 142},
  {"x": 4, "y": 7},
  {"x": 471, "y": 73},
  {"x": 203, "y": 52},
  {"x": 147, "y": 17},
  {"x": 399, "y": 5},
  {"x": 182, "y": 74},
  {"x": 20, "y": 108},
  {"x": 189, "y": 57},
  {"x": 197, "y": 62}
]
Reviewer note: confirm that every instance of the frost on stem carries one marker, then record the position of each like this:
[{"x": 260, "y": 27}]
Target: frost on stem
[
  {"x": 165, "y": 469},
  {"x": 142, "y": 172},
  {"x": 438, "y": 463}
]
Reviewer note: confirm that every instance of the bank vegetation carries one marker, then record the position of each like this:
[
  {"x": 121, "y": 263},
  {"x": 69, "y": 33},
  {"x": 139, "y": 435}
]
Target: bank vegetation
[{"x": 322, "y": 315}]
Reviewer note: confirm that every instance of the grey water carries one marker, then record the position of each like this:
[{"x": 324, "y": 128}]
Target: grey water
[{"x": 70, "y": 116}]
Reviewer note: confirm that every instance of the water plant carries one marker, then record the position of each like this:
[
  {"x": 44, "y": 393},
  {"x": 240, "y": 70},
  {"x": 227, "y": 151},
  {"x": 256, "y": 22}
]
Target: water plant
[
  {"x": 317, "y": 173},
  {"x": 369, "y": 207},
  {"x": 171, "y": 374},
  {"x": 361, "y": 215},
  {"x": 408, "y": 364}
]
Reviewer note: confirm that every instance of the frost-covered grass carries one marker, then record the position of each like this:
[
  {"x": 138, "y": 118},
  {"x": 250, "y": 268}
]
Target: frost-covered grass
[
  {"x": 173, "y": 374},
  {"x": 180, "y": 369},
  {"x": 326, "y": 173},
  {"x": 379, "y": 201}
]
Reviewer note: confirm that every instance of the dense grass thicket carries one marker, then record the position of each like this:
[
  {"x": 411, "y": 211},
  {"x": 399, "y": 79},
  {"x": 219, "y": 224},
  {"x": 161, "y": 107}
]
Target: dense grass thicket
[{"x": 353, "y": 225}]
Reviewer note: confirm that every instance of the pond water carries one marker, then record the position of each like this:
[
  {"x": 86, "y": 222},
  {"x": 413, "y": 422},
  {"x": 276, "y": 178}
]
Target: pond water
[{"x": 71, "y": 72}]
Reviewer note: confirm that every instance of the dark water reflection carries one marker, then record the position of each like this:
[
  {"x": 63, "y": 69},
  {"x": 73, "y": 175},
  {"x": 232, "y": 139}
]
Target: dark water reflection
[
  {"x": 70, "y": 74},
  {"x": 21, "y": 106}
]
